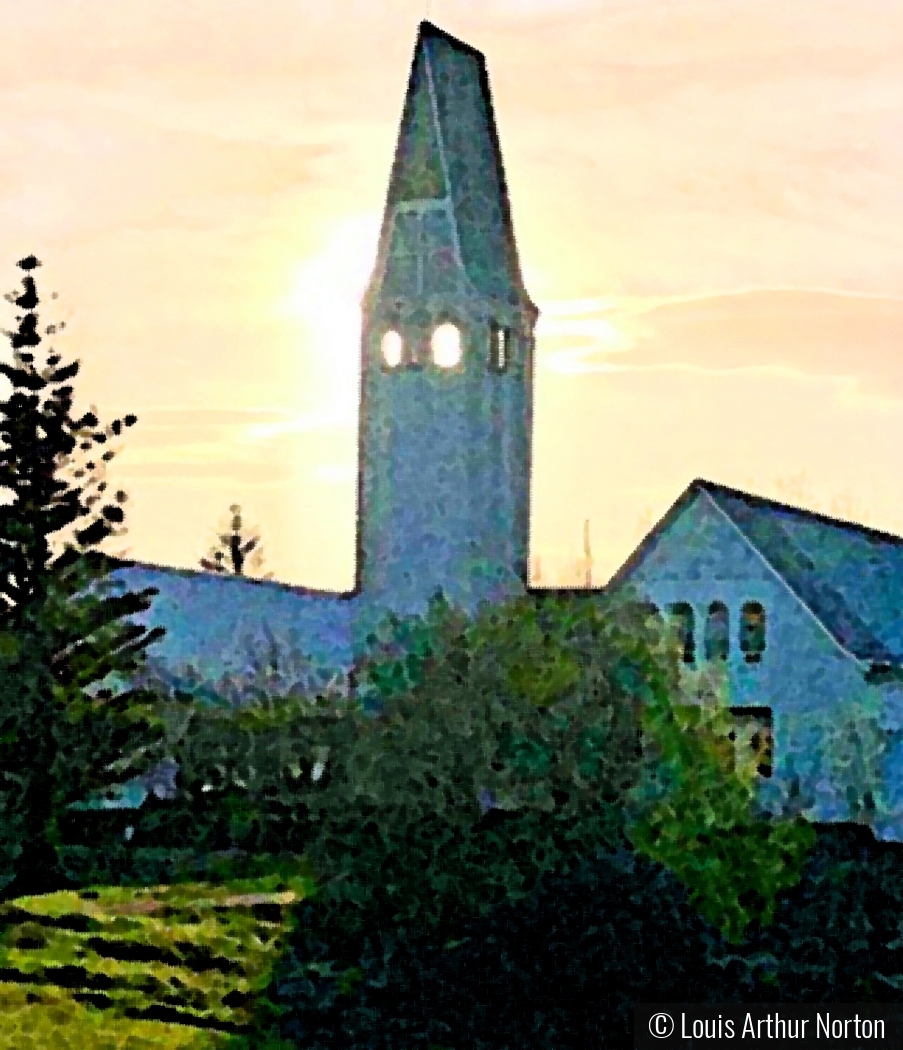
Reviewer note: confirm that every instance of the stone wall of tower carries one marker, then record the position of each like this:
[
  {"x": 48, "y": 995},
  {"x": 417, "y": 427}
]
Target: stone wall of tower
[{"x": 444, "y": 496}]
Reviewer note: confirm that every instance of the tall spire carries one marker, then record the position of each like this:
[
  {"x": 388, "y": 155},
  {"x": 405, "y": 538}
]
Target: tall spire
[
  {"x": 446, "y": 355},
  {"x": 448, "y": 151}
]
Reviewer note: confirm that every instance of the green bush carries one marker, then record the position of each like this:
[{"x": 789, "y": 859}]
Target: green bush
[
  {"x": 497, "y": 748},
  {"x": 561, "y": 968},
  {"x": 490, "y": 751},
  {"x": 838, "y": 935},
  {"x": 695, "y": 810}
]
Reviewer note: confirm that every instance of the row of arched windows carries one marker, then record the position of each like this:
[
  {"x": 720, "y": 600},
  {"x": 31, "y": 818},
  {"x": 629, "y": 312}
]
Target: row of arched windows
[
  {"x": 446, "y": 348},
  {"x": 716, "y": 633}
]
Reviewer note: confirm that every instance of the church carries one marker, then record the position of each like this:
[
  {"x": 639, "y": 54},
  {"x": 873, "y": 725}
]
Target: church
[
  {"x": 446, "y": 403},
  {"x": 805, "y": 613}
]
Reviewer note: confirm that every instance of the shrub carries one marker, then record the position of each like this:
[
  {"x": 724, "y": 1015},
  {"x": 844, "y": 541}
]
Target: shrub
[
  {"x": 695, "y": 811},
  {"x": 494, "y": 750},
  {"x": 561, "y": 968},
  {"x": 564, "y": 967},
  {"x": 838, "y": 935},
  {"x": 497, "y": 748}
]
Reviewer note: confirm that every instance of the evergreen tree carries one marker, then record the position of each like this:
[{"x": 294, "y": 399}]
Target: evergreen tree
[
  {"x": 68, "y": 723},
  {"x": 237, "y": 550}
]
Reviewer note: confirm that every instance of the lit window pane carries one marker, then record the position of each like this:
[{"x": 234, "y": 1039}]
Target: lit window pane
[
  {"x": 392, "y": 349},
  {"x": 446, "y": 346}
]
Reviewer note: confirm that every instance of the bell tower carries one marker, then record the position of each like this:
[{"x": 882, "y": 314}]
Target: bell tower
[{"x": 446, "y": 355}]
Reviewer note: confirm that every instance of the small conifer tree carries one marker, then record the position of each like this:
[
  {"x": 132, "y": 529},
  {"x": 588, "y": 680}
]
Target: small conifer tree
[
  {"x": 65, "y": 627},
  {"x": 237, "y": 550}
]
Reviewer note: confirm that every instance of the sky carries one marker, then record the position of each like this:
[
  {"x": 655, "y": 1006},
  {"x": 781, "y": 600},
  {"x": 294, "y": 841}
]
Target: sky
[{"x": 708, "y": 203}]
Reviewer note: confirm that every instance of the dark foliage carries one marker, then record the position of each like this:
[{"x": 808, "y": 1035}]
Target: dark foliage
[
  {"x": 838, "y": 935},
  {"x": 65, "y": 628},
  {"x": 564, "y": 967}
]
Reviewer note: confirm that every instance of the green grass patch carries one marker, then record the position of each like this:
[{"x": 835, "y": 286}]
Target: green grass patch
[
  {"x": 54, "y": 1021},
  {"x": 187, "y": 959}
]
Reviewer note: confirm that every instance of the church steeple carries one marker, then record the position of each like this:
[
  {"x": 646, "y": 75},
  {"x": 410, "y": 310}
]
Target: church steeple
[
  {"x": 446, "y": 356},
  {"x": 448, "y": 165}
]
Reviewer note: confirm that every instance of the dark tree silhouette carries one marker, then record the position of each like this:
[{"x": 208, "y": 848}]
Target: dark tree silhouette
[{"x": 69, "y": 724}]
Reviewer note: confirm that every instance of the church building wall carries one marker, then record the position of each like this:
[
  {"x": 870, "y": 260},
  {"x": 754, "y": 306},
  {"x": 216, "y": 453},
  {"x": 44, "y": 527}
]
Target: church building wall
[{"x": 810, "y": 684}]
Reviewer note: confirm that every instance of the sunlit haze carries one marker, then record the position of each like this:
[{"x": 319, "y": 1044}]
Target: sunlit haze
[{"x": 708, "y": 202}]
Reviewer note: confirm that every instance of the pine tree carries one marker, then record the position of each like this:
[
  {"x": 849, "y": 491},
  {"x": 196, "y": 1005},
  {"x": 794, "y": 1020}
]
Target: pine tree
[
  {"x": 69, "y": 724},
  {"x": 232, "y": 550}
]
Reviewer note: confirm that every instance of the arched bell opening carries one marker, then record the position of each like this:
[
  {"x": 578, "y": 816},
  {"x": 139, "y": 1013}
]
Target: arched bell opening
[
  {"x": 392, "y": 349},
  {"x": 447, "y": 345}
]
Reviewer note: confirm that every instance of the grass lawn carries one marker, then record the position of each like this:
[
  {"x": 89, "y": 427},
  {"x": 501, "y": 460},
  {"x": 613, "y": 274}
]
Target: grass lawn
[
  {"x": 165, "y": 967},
  {"x": 57, "y": 1022}
]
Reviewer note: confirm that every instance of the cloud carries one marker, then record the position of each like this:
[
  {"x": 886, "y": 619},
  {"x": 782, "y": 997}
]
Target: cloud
[
  {"x": 123, "y": 171},
  {"x": 852, "y": 341}
]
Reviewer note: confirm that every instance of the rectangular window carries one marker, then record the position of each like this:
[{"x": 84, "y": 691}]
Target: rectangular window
[
  {"x": 717, "y": 632},
  {"x": 753, "y": 737}
]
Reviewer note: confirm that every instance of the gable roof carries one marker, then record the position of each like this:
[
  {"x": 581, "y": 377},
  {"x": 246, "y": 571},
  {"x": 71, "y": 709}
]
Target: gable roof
[
  {"x": 448, "y": 149},
  {"x": 848, "y": 575}
]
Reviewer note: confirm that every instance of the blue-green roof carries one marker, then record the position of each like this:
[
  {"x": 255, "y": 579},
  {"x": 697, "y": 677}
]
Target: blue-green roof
[{"x": 850, "y": 576}]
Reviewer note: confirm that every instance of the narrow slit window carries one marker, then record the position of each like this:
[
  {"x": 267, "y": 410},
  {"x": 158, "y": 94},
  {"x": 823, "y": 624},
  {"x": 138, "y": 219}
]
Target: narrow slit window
[
  {"x": 717, "y": 634},
  {"x": 499, "y": 348},
  {"x": 684, "y": 627},
  {"x": 752, "y": 632}
]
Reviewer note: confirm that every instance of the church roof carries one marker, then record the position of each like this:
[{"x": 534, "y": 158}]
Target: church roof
[
  {"x": 448, "y": 149},
  {"x": 848, "y": 575}
]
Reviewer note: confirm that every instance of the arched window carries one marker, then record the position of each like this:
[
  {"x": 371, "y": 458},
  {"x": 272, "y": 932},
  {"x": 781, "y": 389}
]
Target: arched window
[
  {"x": 392, "y": 347},
  {"x": 717, "y": 632},
  {"x": 446, "y": 344},
  {"x": 752, "y": 632},
  {"x": 684, "y": 626},
  {"x": 499, "y": 348}
]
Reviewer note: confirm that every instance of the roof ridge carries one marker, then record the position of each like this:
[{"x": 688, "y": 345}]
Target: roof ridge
[
  {"x": 765, "y": 503},
  {"x": 300, "y": 590}
]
